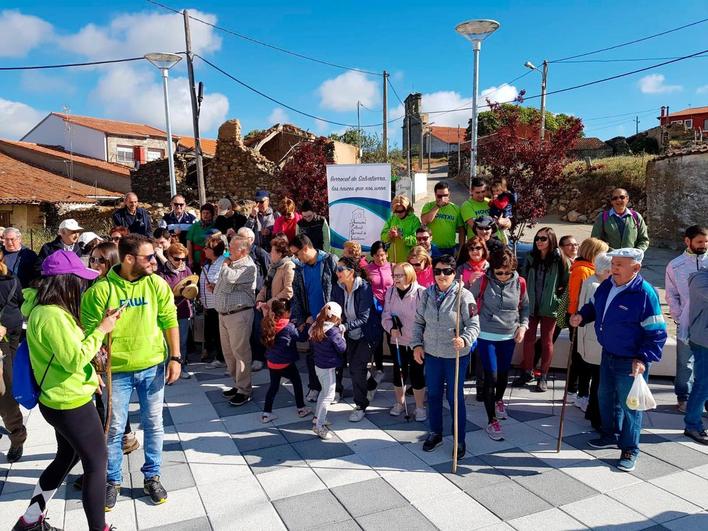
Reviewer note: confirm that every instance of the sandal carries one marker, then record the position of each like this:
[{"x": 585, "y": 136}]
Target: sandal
[
  {"x": 267, "y": 417},
  {"x": 304, "y": 412}
]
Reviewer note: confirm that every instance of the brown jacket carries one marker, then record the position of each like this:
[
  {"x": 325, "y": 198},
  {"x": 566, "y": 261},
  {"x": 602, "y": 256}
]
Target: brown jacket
[{"x": 282, "y": 287}]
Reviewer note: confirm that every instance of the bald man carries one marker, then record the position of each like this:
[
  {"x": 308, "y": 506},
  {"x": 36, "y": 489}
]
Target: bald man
[
  {"x": 131, "y": 216},
  {"x": 620, "y": 226}
]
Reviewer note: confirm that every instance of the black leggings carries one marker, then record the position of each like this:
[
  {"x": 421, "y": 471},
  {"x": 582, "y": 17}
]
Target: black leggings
[
  {"x": 211, "y": 334},
  {"x": 291, "y": 373},
  {"x": 411, "y": 369},
  {"x": 79, "y": 436},
  {"x": 494, "y": 388}
]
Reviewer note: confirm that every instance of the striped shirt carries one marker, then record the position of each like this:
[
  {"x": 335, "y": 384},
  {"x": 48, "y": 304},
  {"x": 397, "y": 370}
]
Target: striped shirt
[{"x": 236, "y": 286}]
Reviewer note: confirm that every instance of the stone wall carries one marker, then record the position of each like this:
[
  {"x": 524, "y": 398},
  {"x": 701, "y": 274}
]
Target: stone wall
[
  {"x": 152, "y": 180},
  {"x": 676, "y": 195}
]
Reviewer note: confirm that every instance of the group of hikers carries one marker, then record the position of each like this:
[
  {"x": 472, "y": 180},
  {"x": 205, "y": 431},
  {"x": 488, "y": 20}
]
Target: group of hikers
[{"x": 443, "y": 294}]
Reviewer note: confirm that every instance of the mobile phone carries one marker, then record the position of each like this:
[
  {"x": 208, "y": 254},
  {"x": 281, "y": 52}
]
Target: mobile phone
[{"x": 123, "y": 306}]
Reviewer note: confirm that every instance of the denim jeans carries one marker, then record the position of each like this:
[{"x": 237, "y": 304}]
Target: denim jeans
[
  {"x": 438, "y": 372},
  {"x": 699, "y": 392},
  {"x": 615, "y": 383},
  {"x": 684, "y": 371},
  {"x": 149, "y": 385},
  {"x": 183, "y": 326}
]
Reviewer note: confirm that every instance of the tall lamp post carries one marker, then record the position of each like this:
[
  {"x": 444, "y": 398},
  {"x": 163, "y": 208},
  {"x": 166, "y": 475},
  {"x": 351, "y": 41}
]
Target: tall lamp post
[
  {"x": 544, "y": 80},
  {"x": 476, "y": 31},
  {"x": 165, "y": 61}
]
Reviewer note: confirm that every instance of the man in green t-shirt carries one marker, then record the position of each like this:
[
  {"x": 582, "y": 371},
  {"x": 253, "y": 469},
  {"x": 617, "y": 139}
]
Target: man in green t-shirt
[
  {"x": 444, "y": 220},
  {"x": 196, "y": 237},
  {"x": 478, "y": 206}
]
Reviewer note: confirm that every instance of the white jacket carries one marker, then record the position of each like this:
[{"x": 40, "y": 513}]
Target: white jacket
[
  {"x": 676, "y": 284},
  {"x": 588, "y": 345}
]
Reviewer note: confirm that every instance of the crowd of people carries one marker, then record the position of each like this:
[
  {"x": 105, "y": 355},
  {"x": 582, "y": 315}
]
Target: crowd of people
[{"x": 442, "y": 293}]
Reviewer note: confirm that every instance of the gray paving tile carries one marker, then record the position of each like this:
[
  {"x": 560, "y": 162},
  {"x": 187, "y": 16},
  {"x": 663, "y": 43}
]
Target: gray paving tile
[
  {"x": 319, "y": 449},
  {"x": 203, "y": 376},
  {"x": 650, "y": 467},
  {"x": 408, "y": 432},
  {"x": 695, "y": 521},
  {"x": 556, "y": 487},
  {"x": 298, "y": 431},
  {"x": 678, "y": 455},
  {"x": 509, "y": 500},
  {"x": 266, "y": 437},
  {"x": 514, "y": 462},
  {"x": 367, "y": 497},
  {"x": 347, "y": 525},
  {"x": 580, "y": 440},
  {"x": 311, "y": 510},
  {"x": 195, "y": 524},
  {"x": 173, "y": 478},
  {"x": 224, "y": 409},
  {"x": 269, "y": 459},
  {"x": 523, "y": 415},
  {"x": 406, "y": 516},
  {"x": 216, "y": 396},
  {"x": 472, "y": 474}
]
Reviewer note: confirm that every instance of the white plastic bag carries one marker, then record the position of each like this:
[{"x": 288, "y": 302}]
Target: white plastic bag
[{"x": 640, "y": 397}]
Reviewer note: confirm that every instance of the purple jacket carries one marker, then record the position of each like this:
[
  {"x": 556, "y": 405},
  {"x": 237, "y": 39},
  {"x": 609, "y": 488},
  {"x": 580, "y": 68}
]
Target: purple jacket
[
  {"x": 405, "y": 310},
  {"x": 284, "y": 349},
  {"x": 328, "y": 352},
  {"x": 184, "y": 306}
]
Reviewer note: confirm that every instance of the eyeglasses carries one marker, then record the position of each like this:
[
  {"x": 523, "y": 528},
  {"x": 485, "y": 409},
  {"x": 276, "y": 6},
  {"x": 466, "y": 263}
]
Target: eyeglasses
[
  {"x": 399, "y": 276},
  {"x": 422, "y": 238},
  {"x": 178, "y": 258},
  {"x": 574, "y": 244},
  {"x": 484, "y": 228},
  {"x": 616, "y": 197},
  {"x": 476, "y": 248},
  {"x": 116, "y": 238},
  {"x": 415, "y": 264},
  {"x": 447, "y": 271},
  {"x": 341, "y": 268},
  {"x": 502, "y": 273},
  {"x": 98, "y": 260},
  {"x": 148, "y": 257},
  {"x": 261, "y": 201},
  {"x": 541, "y": 239},
  {"x": 178, "y": 204}
]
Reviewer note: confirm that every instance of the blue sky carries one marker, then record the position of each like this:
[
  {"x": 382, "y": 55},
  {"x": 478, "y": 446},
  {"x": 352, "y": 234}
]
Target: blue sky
[{"x": 414, "y": 41}]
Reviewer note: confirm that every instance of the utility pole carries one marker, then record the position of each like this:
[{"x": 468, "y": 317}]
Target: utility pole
[
  {"x": 636, "y": 125},
  {"x": 358, "y": 129},
  {"x": 196, "y": 104},
  {"x": 544, "y": 79},
  {"x": 459, "y": 154},
  {"x": 385, "y": 114}
]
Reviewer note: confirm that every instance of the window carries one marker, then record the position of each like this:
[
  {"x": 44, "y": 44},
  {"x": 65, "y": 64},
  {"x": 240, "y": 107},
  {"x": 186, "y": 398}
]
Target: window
[
  {"x": 124, "y": 154},
  {"x": 154, "y": 154},
  {"x": 5, "y": 219},
  {"x": 705, "y": 124},
  {"x": 688, "y": 124},
  {"x": 676, "y": 122}
]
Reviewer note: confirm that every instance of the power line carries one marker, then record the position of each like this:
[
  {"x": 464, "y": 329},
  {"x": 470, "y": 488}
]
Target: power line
[
  {"x": 289, "y": 107},
  {"x": 634, "y": 113},
  {"x": 70, "y": 65},
  {"x": 267, "y": 45},
  {"x": 630, "y": 42},
  {"x": 636, "y": 59},
  {"x": 394, "y": 91}
]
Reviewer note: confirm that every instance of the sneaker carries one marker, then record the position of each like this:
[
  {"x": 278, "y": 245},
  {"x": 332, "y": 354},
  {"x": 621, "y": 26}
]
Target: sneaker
[
  {"x": 337, "y": 398},
  {"x": 582, "y": 403},
  {"x": 572, "y": 398},
  {"x": 396, "y": 410},
  {"x": 370, "y": 395},
  {"x": 14, "y": 454},
  {"x": 268, "y": 417},
  {"x": 230, "y": 393},
  {"x": 500, "y": 409},
  {"x": 603, "y": 443},
  {"x": 323, "y": 433},
  {"x": 541, "y": 385},
  {"x": 432, "y": 442},
  {"x": 698, "y": 436},
  {"x": 256, "y": 365},
  {"x": 681, "y": 406},
  {"x": 628, "y": 461},
  {"x": 304, "y": 412},
  {"x": 357, "y": 415},
  {"x": 523, "y": 379},
  {"x": 239, "y": 399},
  {"x": 112, "y": 491},
  {"x": 421, "y": 415},
  {"x": 494, "y": 430},
  {"x": 326, "y": 422},
  {"x": 378, "y": 376},
  {"x": 39, "y": 525},
  {"x": 130, "y": 443},
  {"x": 216, "y": 364},
  {"x": 153, "y": 488},
  {"x": 185, "y": 373},
  {"x": 312, "y": 395}
]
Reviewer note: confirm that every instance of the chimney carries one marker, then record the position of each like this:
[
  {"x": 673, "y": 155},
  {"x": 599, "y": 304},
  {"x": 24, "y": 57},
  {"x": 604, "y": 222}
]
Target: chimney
[{"x": 662, "y": 111}]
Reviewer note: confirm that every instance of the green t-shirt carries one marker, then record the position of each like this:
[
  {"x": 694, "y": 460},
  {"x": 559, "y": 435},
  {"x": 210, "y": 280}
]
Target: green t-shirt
[
  {"x": 197, "y": 235},
  {"x": 472, "y": 209},
  {"x": 444, "y": 226}
]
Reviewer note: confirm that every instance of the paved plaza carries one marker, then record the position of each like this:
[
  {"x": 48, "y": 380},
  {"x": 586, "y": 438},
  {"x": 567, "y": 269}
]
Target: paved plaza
[{"x": 225, "y": 470}]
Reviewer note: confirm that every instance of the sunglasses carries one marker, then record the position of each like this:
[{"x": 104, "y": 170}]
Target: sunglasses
[
  {"x": 571, "y": 245},
  {"x": 415, "y": 264},
  {"x": 616, "y": 197},
  {"x": 341, "y": 269},
  {"x": 148, "y": 257},
  {"x": 541, "y": 239},
  {"x": 442, "y": 196},
  {"x": 422, "y": 238},
  {"x": 476, "y": 248},
  {"x": 261, "y": 201},
  {"x": 503, "y": 273},
  {"x": 97, "y": 260},
  {"x": 179, "y": 258},
  {"x": 447, "y": 271},
  {"x": 178, "y": 204}
]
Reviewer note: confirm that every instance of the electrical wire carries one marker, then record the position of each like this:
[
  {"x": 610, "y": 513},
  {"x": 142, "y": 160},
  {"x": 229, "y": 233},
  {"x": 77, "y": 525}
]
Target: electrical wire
[
  {"x": 636, "y": 59},
  {"x": 636, "y": 113},
  {"x": 267, "y": 45},
  {"x": 388, "y": 79},
  {"x": 630, "y": 42},
  {"x": 71, "y": 65}
]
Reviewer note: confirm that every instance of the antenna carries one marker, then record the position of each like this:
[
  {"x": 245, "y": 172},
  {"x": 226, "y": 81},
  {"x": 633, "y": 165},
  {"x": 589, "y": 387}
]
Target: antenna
[{"x": 67, "y": 127}]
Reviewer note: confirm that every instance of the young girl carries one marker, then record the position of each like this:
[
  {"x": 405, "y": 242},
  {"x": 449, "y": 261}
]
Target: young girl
[
  {"x": 503, "y": 200},
  {"x": 279, "y": 337},
  {"x": 328, "y": 346}
]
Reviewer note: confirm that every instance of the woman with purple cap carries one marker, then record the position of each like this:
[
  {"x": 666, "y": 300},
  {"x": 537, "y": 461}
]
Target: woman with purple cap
[{"x": 61, "y": 354}]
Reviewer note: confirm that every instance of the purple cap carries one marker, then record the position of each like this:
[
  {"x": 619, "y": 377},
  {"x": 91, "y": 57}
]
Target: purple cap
[{"x": 66, "y": 263}]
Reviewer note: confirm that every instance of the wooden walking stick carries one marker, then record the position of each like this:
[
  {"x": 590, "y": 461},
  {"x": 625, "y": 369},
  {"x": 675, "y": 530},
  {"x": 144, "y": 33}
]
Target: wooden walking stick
[
  {"x": 573, "y": 338},
  {"x": 109, "y": 385},
  {"x": 455, "y": 422}
]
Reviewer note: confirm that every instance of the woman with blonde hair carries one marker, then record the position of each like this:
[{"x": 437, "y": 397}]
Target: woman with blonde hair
[
  {"x": 422, "y": 265},
  {"x": 352, "y": 249},
  {"x": 288, "y": 220},
  {"x": 399, "y": 231}
]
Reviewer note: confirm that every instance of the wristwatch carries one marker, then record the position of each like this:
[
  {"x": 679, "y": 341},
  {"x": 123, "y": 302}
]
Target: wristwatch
[{"x": 178, "y": 359}]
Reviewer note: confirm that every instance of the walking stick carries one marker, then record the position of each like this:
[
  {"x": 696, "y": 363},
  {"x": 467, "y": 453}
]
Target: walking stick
[
  {"x": 455, "y": 424},
  {"x": 109, "y": 386},
  {"x": 403, "y": 384},
  {"x": 573, "y": 337}
]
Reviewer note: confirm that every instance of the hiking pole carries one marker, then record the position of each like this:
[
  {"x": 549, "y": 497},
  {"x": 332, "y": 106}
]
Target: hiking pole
[
  {"x": 109, "y": 385},
  {"x": 455, "y": 424},
  {"x": 403, "y": 384},
  {"x": 573, "y": 337}
]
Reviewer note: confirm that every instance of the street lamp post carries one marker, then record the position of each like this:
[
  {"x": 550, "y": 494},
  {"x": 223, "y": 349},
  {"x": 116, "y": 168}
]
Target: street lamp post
[
  {"x": 476, "y": 31},
  {"x": 165, "y": 61},
  {"x": 544, "y": 80}
]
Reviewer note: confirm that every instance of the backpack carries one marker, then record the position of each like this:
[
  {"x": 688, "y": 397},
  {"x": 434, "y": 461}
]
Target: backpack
[
  {"x": 483, "y": 286},
  {"x": 25, "y": 390}
]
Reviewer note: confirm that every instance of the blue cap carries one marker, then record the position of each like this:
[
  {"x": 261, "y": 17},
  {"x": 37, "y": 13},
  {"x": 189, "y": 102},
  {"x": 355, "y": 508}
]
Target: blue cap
[{"x": 262, "y": 194}]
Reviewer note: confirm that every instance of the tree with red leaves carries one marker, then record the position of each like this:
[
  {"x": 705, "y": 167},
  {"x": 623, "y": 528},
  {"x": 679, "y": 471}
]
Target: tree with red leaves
[
  {"x": 533, "y": 168},
  {"x": 304, "y": 176}
]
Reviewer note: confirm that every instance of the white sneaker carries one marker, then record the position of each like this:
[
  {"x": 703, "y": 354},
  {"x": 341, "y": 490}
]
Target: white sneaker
[
  {"x": 326, "y": 422},
  {"x": 268, "y": 417},
  {"x": 216, "y": 364},
  {"x": 336, "y": 399},
  {"x": 312, "y": 395},
  {"x": 357, "y": 415},
  {"x": 378, "y": 376},
  {"x": 323, "y": 433},
  {"x": 256, "y": 365},
  {"x": 370, "y": 395},
  {"x": 494, "y": 431},
  {"x": 582, "y": 402},
  {"x": 421, "y": 415},
  {"x": 184, "y": 374},
  {"x": 396, "y": 410},
  {"x": 501, "y": 410}
]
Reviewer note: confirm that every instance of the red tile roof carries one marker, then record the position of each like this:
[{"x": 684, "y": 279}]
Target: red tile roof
[
  {"x": 688, "y": 112},
  {"x": 21, "y": 183},
  {"x": 113, "y": 127},
  {"x": 208, "y": 145},
  {"x": 449, "y": 135},
  {"x": 76, "y": 159}
]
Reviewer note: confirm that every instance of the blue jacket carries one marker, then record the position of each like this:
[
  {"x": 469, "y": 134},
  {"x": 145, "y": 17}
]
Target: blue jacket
[
  {"x": 140, "y": 223},
  {"x": 284, "y": 349},
  {"x": 328, "y": 353},
  {"x": 300, "y": 310},
  {"x": 632, "y": 326},
  {"x": 367, "y": 319}
]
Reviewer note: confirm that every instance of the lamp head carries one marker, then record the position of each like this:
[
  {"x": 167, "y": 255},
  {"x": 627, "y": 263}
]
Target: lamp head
[
  {"x": 477, "y": 30},
  {"x": 529, "y": 64},
  {"x": 163, "y": 60}
]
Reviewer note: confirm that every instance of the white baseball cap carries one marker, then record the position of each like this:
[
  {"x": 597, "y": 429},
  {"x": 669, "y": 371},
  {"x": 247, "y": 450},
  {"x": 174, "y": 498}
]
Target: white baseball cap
[
  {"x": 335, "y": 310},
  {"x": 635, "y": 254},
  {"x": 70, "y": 224},
  {"x": 88, "y": 237}
]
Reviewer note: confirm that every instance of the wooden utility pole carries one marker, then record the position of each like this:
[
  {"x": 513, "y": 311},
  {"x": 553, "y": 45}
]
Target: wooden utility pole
[
  {"x": 636, "y": 125},
  {"x": 544, "y": 82},
  {"x": 385, "y": 114},
  {"x": 459, "y": 150},
  {"x": 196, "y": 104}
]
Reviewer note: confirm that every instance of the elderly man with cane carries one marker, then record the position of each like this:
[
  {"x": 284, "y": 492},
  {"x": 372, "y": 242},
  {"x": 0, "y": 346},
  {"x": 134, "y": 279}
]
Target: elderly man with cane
[{"x": 632, "y": 331}]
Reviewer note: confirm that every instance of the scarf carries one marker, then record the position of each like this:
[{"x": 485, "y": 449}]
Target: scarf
[
  {"x": 272, "y": 270},
  {"x": 281, "y": 323},
  {"x": 440, "y": 295},
  {"x": 172, "y": 269}
]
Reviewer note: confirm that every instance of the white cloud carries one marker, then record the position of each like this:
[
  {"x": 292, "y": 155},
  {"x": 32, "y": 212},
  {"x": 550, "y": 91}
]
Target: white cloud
[
  {"x": 134, "y": 93},
  {"x": 321, "y": 126},
  {"x": 702, "y": 90},
  {"x": 654, "y": 84},
  {"x": 37, "y": 81},
  {"x": 278, "y": 116},
  {"x": 16, "y": 118},
  {"x": 21, "y": 33},
  {"x": 342, "y": 92}
]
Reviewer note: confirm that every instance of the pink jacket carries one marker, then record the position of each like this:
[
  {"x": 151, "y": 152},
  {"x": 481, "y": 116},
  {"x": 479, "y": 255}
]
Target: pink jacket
[
  {"x": 380, "y": 278},
  {"x": 405, "y": 310},
  {"x": 425, "y": 277},
  {"x": 471, "y": 271}
]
